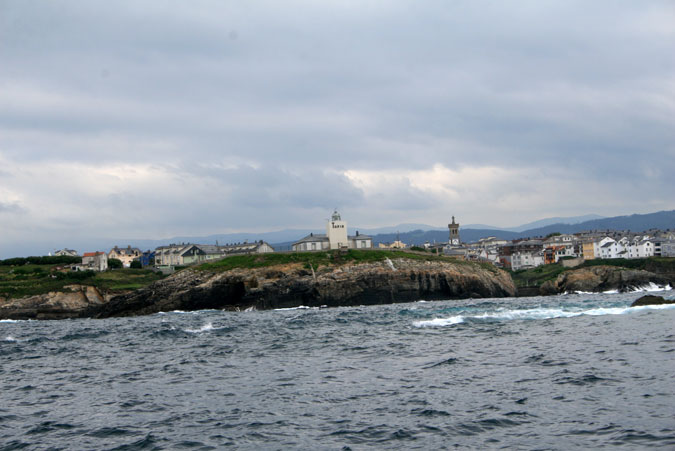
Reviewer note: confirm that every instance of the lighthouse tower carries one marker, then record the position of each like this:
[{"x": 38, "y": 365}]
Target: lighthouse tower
[
  {"x": 454, "y": 233},
  {"x": 336, "y": 230}
]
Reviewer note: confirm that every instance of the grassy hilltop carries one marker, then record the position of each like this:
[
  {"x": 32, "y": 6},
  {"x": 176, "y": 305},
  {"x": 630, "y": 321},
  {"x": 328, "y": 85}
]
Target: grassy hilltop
[
  {"x": 323, "y": 258},
  {"x": 31, "y": 279}
]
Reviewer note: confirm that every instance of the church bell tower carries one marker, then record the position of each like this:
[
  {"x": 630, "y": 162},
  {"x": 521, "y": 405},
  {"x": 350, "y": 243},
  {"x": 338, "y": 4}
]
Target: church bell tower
[{"x": 454, "y": 233}]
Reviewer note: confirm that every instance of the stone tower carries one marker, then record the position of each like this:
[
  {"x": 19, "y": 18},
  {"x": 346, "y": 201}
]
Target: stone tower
[{"x": 454, "y": 233}]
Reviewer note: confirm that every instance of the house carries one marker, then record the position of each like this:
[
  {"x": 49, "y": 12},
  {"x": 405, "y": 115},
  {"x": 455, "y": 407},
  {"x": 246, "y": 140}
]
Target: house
[
  {"x": 66, "y": 253},
  {"x": 256, "y": 247},
  {"x": 398, "y": 244},
  {"x": 96, "y": 261},
  {"x": 588, "y": 249},
  {"x": 641, "y": 247},
  {"x": 189, "y": 254},
  {"x": 553, "y": 253},
  {"x": 335, "y": 238},
  {"x": 668, "y": 248},
  {"x": 125, "y": 255},
  {"x": 147, "y": 258},
  {"x": 525, "y": 259},
  {"x": 199, "y": 253},
  {"x": 168, "y": 255},
  {"x": 522, "y": 254}
]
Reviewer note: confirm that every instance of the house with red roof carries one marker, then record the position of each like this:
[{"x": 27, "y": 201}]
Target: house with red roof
[{"x": 97, "y": 261}]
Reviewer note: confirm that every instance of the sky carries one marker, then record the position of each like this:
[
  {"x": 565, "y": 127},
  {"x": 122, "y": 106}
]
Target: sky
[{"x": 155, "y": 119}]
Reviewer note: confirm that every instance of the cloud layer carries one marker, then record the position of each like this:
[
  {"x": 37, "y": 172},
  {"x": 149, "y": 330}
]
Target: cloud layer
[{"x": 164, "y": 118}]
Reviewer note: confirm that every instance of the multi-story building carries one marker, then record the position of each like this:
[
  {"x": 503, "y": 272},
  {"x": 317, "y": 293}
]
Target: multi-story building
[
  {"x": 125, "y": 255},
  {"x": 96, "y": 261}
]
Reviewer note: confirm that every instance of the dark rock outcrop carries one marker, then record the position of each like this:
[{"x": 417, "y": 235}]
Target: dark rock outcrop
[
  {"x": 601, "y": 278},
  {"x": 652, "y": 300},
  {"x": 292, "y": 286}
]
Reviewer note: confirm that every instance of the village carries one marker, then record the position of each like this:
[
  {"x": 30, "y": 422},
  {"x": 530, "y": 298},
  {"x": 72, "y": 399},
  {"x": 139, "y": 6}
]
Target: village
[{"x": 568, "y": 249}]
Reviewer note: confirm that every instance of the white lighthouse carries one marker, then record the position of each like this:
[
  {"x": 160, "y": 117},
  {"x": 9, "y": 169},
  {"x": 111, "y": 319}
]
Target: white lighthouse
[{"x": 336, "y": 231}]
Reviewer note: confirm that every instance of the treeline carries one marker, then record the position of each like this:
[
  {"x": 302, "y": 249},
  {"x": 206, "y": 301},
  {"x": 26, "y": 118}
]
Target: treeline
[{"x": 44, "y": 260}]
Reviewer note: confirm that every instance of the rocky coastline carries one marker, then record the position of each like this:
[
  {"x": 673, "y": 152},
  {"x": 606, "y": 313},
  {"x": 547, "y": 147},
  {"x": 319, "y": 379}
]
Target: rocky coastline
[
  {"x": 603, "y": 278},
  {"x": 280, "y": 286},
  {"x": 295, "y": 284}
]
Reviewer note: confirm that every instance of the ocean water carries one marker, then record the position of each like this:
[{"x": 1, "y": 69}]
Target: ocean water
[{"x": 568, "y": 372}]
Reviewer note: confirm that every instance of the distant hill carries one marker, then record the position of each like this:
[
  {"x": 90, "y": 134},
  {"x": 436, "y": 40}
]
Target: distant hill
[
  {"x": 409, "y": 233},
  {"x": 663, "y": 220}
]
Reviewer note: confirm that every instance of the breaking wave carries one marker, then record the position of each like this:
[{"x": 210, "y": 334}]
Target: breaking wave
[
  {"x": 535, "y": 314},
  {"x": 205, "y": 328}
]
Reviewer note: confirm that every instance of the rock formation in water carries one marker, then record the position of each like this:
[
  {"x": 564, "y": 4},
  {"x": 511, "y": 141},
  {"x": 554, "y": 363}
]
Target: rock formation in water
[
  {"x": 652, "y": 300},
  {"x": 602, "y": 278},
  {"x": 292, "y": 285},
  {"x": 71, "y": 303}
]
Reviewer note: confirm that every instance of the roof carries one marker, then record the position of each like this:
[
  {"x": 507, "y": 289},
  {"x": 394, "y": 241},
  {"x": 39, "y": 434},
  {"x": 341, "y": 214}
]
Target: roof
[
  {"x": 313, "y": 238},
  {"x": 359, "y": 237},
  {"x": 92, "y": 254},
  {"x": 125, "y": 250}
]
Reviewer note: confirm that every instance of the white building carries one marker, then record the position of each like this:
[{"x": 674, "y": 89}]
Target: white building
[
  {"x": 66, "y": 253},
  {"x": 526, "y": 259},
  {"x": 641, "y": 247},
  {"x": 97, "y": 261},
  {"x": 335, "y": 238}
]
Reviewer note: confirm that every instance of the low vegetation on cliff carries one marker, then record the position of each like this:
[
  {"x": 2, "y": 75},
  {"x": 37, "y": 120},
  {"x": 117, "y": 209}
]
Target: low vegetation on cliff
[
  {"x": 31, "y": 279},
  {"x": 316, "y": 260}
]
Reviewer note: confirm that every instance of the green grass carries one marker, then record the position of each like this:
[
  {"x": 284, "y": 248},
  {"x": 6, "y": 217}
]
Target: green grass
[
  {"x": 28, "y": 280},
  {"x": 317, "y": 259},
  {"x": 536, "y": 276}
]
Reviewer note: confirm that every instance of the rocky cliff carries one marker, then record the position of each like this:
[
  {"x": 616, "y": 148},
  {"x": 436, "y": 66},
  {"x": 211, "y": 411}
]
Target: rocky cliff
[
  {"x": 293, "y": 285},
  {"x": 602, "y": 278},
  {"x": 71, "y": 303}
]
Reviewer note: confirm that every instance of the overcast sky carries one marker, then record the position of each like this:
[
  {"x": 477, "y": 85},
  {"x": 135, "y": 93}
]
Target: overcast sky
[{"x": 151, "y": 119}]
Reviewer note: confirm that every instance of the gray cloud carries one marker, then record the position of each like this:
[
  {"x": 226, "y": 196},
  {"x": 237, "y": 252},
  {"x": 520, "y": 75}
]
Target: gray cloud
[{"x": 253, "y": 117}]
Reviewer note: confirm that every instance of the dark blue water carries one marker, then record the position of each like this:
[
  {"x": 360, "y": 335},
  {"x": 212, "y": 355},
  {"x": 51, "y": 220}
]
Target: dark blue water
[{"x": 563, "y": 372}]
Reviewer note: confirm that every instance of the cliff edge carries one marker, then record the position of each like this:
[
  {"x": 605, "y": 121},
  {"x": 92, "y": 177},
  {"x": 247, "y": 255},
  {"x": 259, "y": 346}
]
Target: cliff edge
[
  {"x": 295, "y": 284},
  {"x": 602, "y": 278}
]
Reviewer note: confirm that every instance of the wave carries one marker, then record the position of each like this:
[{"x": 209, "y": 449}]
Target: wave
[
  {"x": 205, "y": 328},
  {"x": 653, "y": 287},
  {"x": 10, "y": 338},
  {"x": 536, "y": 313}
]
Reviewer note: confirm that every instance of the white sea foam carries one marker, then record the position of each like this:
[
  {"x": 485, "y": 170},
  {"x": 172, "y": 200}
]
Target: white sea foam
[
  {"x": 301, "y": 307},
  {"x": 537, "y": 313},
  {"x": 10, "y": 338},
  {"x": 440, "y": 322},
  {"x": 653, "y": 287},
  {"x": 206, "y": 327}
]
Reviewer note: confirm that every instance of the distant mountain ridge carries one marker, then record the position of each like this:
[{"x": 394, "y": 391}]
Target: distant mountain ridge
[
  {"x": 663, "y": 220},
  {"x": 408, "y": 233}
]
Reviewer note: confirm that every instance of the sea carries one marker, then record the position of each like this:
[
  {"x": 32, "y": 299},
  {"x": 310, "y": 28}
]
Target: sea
[{"x": 574, "y": 371}]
